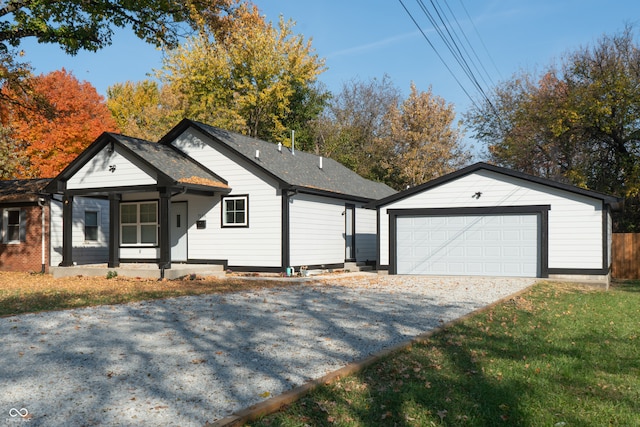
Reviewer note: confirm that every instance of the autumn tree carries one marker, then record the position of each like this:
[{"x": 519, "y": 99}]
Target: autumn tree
[
  {"x": 426, "y": 140},
  {"x": 246, "y": 75},
  {"x": 144, "y": 109},
  {"x": 49, "y": 141},
  {"x": 352, "y": 126},
  {"x": 579, "y": 123}
]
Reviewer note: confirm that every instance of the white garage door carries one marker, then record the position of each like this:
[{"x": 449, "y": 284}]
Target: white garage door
[{"x": 475, "y": 245}]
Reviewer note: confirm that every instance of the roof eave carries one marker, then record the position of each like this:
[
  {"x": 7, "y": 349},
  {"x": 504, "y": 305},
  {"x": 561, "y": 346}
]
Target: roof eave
[{"x": 609, "y": 200}]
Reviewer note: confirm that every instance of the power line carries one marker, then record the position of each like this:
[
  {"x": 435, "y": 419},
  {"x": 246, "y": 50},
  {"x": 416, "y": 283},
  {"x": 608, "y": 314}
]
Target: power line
[
  {"x": 480, "y": 38},
  {"x": 456, "y": 47},
  {"x": 424, "y": 35}
]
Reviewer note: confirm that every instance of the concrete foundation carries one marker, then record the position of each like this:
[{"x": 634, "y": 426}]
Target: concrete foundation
[{"x": 147, "y": 271}]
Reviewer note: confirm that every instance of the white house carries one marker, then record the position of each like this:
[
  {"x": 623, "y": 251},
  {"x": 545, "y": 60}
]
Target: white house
[
  {"x": 489, "y": 221},
  {"x": 202, "y": 195}
]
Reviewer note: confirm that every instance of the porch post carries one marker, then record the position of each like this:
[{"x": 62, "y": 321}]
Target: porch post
[
  {"x": 164, "y": 235},
  {"x": 67, "y": 231},
  {"x": 114, "y": 230}
]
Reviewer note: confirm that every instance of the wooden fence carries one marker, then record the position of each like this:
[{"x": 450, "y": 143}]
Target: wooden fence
[{"x": 625, "y": 254}]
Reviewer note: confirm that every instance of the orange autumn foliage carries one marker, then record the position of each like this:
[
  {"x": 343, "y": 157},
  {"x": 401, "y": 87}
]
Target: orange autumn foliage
[{"x": 51, "y": 141}]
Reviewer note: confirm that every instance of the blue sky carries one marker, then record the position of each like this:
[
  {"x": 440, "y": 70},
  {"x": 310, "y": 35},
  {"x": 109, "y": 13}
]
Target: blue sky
[{"x": 363, "y": 39}]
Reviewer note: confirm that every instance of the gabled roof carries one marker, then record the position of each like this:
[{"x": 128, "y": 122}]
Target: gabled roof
[
  {"x": 170, "y": 162},
  {"x": 614, "y": 202},
  {"x": 300, "y": 171},
  {"x": 172, "y": 166},
  {"x": 22, "y": 190}
]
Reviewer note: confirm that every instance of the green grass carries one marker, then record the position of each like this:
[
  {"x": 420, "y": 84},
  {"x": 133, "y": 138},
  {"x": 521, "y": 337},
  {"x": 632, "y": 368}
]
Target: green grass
[{"x": 559, "y": 355}]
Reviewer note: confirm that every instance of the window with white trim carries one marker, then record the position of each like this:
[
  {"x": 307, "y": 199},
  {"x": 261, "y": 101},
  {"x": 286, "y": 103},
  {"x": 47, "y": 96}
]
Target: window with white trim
[
  {"x": 139, "y": 224},
  {"x": 235, "y": 211},
  {"x": 11, "y": 226},
  {"x": 91, "y": 226}
]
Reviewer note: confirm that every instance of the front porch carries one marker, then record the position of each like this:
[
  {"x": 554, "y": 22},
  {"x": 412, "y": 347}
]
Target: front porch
[{"x": 142, "y": 270}]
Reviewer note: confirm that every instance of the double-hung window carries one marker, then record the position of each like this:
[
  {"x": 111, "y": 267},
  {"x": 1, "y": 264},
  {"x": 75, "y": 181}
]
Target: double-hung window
[
  {"x": 139, "y": 224},
  {"x": 11, "y": 221},
  {"x": 91, "y": 226},
  {"x": 235, "y": 211}
]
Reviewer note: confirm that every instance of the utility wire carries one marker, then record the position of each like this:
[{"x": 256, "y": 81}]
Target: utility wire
[
  {"x": 424, "y": 35},
  {"x": 446, "y": 35},
  {"x": 481, "y": 40},
  {"x": 490, "y": 82},
  {"x": 442, "y": 26}
]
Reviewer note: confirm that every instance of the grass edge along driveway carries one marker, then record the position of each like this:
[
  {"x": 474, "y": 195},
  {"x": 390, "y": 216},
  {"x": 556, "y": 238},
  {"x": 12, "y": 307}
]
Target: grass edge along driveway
[{"x": 557, "y": 355}]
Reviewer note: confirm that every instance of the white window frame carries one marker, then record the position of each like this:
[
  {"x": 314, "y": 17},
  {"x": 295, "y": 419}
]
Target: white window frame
[
  {"x": 225, "y": 199},
  {"x": 97, "y": 225},
  {"x": 6, "y": 225},
  {"x": 139, "y": 224}
]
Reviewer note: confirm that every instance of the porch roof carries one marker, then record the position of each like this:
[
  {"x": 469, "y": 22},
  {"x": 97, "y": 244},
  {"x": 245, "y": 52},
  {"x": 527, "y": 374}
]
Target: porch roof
[
  {"x": 171, "y": 162},
  {"x": 172, "y": 167}
]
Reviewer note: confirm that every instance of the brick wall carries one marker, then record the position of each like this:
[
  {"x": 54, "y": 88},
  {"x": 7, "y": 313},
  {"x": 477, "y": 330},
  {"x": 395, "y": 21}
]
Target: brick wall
[{"x": 27, "y": 255}]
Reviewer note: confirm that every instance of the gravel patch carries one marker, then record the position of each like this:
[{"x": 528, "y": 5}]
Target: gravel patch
[{"x": 189, "y": 360}]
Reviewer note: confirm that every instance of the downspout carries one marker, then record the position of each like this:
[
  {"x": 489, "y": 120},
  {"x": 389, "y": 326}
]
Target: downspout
[{"x": 42, "y": 204}]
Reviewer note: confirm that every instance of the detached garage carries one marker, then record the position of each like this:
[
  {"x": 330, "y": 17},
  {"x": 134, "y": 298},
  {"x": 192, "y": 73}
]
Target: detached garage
[{"x": 489, "y": 221}]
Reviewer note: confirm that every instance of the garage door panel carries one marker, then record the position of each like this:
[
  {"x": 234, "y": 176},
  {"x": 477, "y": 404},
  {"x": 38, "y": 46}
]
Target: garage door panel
[{"x": 492, "y": 245}]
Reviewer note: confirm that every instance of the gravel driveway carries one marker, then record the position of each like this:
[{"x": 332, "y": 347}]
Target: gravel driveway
[{"x": 189, "y": 360}]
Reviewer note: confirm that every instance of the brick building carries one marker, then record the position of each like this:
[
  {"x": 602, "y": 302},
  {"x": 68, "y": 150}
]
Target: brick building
[{"x": 24, "y": 226}]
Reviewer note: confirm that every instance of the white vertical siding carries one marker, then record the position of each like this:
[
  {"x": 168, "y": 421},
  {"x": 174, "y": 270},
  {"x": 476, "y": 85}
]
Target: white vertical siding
[
  {"x": 84, "y": 252},
  {"x": 258, "y": 245},
  {"x": 109, "y": 169},
  {"x": 366, "y": 242},
  {"x": 575, "y": 221},
  {"x": 317, "y": 230}
]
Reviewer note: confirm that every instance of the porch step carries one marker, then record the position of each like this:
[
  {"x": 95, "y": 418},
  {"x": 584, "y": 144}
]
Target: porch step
[{"x": 357, "y": 266}]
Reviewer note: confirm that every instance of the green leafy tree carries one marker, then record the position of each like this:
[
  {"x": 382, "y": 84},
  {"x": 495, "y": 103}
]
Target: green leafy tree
[
  {"x": 89, "y": 25},
  {"x": 76, "y": 25},
  {"x": 579, "y": 123}
]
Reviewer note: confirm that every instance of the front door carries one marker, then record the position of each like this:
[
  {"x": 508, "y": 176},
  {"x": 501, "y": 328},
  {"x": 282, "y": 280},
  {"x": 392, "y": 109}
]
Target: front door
[
  {"x": 179, "y": 226},
  {"x": 349, "y": 233}
]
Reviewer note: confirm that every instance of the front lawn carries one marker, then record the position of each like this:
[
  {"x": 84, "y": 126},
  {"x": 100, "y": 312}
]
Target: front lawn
[
  {"x": 558, "y": 355},
  {"x": 30, "y": 293}
]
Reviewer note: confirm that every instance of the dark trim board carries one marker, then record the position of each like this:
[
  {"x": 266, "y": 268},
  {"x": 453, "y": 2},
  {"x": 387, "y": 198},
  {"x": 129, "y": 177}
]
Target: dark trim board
[
  {"x": 222, "y": 262},
  {"x": 541, "y": 210},
  {"x": 606, "y": 262},
  {"x": 285, "y": 254},
  {"x": 249, "y": 269}
]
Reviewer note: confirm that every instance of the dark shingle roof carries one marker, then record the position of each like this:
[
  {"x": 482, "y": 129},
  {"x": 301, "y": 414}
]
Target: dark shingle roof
[
  {"x": 170, "y": 162},
  {"x": 299, "y": 170},
  {"x": 22, "y": 190}
]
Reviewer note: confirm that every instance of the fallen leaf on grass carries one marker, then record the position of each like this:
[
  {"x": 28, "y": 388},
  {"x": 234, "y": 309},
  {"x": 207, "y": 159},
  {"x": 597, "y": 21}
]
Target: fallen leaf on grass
[{"x": 442, "y": 414}]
